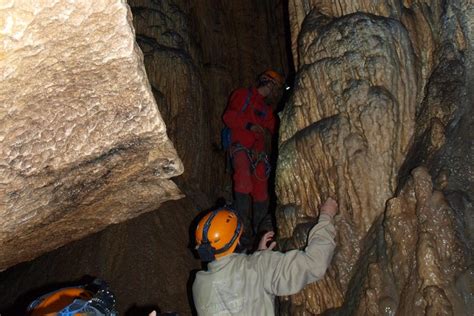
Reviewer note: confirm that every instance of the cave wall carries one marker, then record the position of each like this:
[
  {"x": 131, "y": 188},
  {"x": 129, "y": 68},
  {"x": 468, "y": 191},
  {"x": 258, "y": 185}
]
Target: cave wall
[
  {"x": 195, "y": 54},
  {"x": 380, "y": 119}
]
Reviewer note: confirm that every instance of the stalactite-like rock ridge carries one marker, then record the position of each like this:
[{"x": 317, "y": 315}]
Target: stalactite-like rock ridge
[{"x": 380, "y": 107}]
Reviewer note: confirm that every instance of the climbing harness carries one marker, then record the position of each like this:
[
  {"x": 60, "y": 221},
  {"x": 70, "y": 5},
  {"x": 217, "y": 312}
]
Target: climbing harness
[{"x": 254, "y": 158}]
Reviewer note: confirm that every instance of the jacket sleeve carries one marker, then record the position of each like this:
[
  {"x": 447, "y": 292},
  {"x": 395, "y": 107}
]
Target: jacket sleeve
[
  {"x": 233, "y": 117},
  {"x": 288, "y": 273}
]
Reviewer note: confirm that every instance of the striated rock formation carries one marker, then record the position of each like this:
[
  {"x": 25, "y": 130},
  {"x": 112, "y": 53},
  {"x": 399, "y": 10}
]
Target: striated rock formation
[
  {"x": 347, "y": 125},
  {"x": 83, "y": 145},
  {"x": 381, "y": 88}
]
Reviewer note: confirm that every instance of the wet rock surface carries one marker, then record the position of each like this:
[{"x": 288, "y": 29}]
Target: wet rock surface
[
  {"x": 381, "y": 89},
  {"x": 83, "y": 145}
]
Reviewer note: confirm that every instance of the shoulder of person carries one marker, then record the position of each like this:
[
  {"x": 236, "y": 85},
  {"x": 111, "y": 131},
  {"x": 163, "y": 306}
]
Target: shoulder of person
[{"x": 264, "y": 255}]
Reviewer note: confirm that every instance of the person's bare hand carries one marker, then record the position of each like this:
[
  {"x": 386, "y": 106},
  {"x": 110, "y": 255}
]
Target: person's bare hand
[
  {"x": 262, "y": 245},
  {"x": 329, "y": 207},
  {"x": 152, "y": 313}
]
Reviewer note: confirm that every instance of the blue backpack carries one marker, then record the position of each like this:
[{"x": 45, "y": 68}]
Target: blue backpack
[{"x": 226, "y": 133}]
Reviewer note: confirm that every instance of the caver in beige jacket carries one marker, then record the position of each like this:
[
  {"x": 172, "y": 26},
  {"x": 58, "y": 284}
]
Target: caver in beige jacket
[{"x": 240, "y": 284}]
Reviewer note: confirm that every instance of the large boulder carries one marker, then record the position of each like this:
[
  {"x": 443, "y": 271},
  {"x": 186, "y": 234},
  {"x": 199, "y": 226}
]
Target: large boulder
[{"x": 83, "y": 145}]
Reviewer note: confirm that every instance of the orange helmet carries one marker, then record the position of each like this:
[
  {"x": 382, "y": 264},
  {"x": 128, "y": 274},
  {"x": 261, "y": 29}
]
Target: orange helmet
[
  {"x": 94, "y": 299},
  {"x": 53, "y": 303},
  {"x": 273, "y": 76},
  {"x": 217, "y": 234}
]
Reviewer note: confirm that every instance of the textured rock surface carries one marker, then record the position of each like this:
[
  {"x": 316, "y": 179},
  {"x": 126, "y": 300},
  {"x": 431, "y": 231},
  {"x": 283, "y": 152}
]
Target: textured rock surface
[
  {"x": 425, "y": 256},
  {"x": 82, "y": 142},
  {"x": 381, "y": 88},
  {"x": 346, "y": 125}
]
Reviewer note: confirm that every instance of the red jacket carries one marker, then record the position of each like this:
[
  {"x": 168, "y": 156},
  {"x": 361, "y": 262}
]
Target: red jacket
[{"x": 257, "y": 112}]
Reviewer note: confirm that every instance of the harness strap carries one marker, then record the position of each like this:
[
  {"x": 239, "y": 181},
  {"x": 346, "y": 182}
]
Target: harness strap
[
  {"x": 254, "y": 159},
  {"x": 247, "y": 100}
]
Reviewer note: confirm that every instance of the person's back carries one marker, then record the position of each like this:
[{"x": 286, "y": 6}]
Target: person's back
[
  {"x": 225, "y": 288},
  {"x": 239, "y": 284}
]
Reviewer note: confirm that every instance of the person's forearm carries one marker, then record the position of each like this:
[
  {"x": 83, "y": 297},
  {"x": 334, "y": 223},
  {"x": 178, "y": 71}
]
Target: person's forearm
[
  {"x": 291, "y": 271},
  {"x": 321, "y": 242}
]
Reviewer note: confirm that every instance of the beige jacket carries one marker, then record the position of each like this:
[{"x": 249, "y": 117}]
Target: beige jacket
[{"x": 241, "y": 284}]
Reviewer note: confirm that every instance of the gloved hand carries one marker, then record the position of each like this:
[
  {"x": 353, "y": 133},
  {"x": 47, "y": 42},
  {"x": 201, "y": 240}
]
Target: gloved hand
[
  {"x": 266, "y": 134},
  {"x": 257, "y": 129}
]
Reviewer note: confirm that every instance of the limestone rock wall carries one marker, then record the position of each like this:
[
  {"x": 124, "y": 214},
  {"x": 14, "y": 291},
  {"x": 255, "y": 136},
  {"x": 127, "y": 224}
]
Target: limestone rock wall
[
  {"x": 83, "y": 145},
  {"x": 382, "y": 87}
]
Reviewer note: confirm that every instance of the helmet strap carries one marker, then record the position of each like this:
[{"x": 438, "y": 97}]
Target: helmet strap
[{"x": 206, "y": 252}]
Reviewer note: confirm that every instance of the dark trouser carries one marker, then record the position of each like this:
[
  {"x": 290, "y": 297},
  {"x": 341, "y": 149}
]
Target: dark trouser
[
  {"x": 242, "y": 206},
  {"x": 262, "y": 220},
  {"x": 250, "y": 186},
  {"x": 254, "y": 224}
]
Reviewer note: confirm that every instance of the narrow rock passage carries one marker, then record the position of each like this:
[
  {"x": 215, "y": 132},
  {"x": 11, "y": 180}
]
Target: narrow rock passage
[{"x": 379, "y": 117}]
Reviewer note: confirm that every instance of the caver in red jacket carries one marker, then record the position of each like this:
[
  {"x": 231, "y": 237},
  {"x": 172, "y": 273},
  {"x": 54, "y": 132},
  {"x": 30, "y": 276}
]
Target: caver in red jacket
[
  {"x": 240, "y": 122},
  {"x": 256, "y": 112}
]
